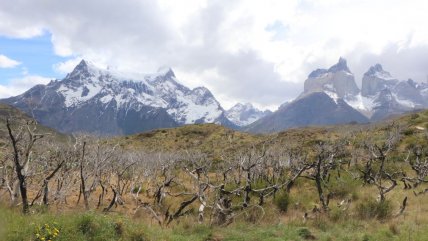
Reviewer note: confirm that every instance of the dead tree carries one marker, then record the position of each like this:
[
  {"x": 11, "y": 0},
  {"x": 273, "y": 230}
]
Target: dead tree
[
  {"x": 324, "y": 162},
  {"x": 93, "y": 160},
  {"x": 375, "y": 170},
  {"x": 121, "y": 171},
  {"x": 22, "y": 141},
  {"x": 419, "y": 164},
  {"x": 52, "y": 163}
]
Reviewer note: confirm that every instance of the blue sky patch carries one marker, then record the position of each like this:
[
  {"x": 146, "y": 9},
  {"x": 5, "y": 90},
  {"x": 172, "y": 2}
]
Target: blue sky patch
[
  {"x": 36, "y": 56},
  {"x": 279, "y": 29}
]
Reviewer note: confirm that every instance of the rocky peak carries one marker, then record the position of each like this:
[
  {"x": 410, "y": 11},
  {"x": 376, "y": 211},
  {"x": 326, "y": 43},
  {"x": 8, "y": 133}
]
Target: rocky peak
[
  {"x": 412, "y": 83},
  {"x": 317, "y": 73},
  {"x": 166, "y": 72},
  {"x": 86, "y": 73},
  {"x": 240, "y": 106},
  {"x": 337, "y": 80},
  {"x": 245, "y": 114},
  {"x": 374, "y": 69},
  {"x": 81, "y": 70},
  {"x": 376, "y": 79},
  {"x": 377, "y": 71},
  {"x": 340, "y": 66}
]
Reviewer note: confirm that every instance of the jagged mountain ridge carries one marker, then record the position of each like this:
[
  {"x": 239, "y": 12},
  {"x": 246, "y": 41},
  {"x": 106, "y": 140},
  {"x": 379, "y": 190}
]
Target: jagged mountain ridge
[
  {"x": 245, "y": 114},
  {"x": 90, "y": 99},
  {"x": 381, "y": 96},
  {"x": 95, "y": 100}
]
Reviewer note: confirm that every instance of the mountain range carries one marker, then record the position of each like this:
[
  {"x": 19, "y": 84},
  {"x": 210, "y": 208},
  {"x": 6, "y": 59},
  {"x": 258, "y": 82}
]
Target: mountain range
[
  {"x": 106, "y": 102},
  {"x": 331, "y": 96}
]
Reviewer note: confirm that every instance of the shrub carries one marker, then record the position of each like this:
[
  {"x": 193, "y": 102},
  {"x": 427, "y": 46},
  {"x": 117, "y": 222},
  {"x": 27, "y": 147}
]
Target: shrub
[
  {"x": 408, "y": 132},
  {"x": 119, "y": 228},
  {"x": 281, "y": 201},
  {"x": 371, "y": 208},
  {"x": 87, "y": 225},
  {"x": 305, "y": 233},
  {"x": 344, "y": 187},
  {"x": 138, "y": 236}
]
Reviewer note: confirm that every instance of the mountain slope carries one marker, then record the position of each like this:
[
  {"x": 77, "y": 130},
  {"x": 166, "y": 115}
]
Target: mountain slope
[
  {"x": 18, "y": 117},
  {"x": 90, "y": 99},
  {"x": 316, "y": 108}
]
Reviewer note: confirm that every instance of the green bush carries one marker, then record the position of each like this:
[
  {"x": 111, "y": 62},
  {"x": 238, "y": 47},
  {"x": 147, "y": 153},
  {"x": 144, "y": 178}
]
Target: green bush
[
  {"x": 371, "y": 208},
  {"x": 344, "y": 187},
  {"x": 87, "y": 225},
  {"x": 408, "y": 132},
  {"x": 305, "y": 233},
  {"x": 281, "y": 201},
  {"x": 138, "y": 236}
]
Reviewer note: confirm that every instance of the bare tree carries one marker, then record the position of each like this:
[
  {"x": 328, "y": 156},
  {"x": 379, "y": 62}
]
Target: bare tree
[
  {"x": 375, "y": 169},
  {"x": 22, "y": 141}
]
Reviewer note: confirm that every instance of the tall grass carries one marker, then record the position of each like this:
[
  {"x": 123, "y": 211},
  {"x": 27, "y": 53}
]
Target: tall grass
[{"x": 98, "y": 226}]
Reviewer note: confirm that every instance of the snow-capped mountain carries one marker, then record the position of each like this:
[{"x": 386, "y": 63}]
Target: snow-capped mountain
[
  {"x": 382, "y": 95},
  {"x": 323, "y": 102},
  {"x": 245, "y": 114},
  {"x": 92, "y": 99},
  {"x": 106, "y": 102},
  {"x": 331, "y": 96}
]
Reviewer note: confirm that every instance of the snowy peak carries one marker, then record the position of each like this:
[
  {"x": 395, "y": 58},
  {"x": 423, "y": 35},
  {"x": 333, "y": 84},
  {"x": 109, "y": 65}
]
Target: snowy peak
[
  {"x": 375, "y": 80},
  {"x": 383, "y": 95},
  {"x": 245, "y": 114},
  {"x": 166, "y": 72},
  {"x": 87, "y": 68},
  {"x": 378, "y": 72},
  {"x": 81, "y": 70},
  {"x": 128, "y": 104}
]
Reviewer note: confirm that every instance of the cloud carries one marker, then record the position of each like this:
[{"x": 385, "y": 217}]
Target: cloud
[
  {"x": 20, "y": 85},
  {"x": 243, "y": 50},
  {"x": 6, "y": 62},
  {"x": 66, "y": 67},
  {"x": 403, "y": 62}
]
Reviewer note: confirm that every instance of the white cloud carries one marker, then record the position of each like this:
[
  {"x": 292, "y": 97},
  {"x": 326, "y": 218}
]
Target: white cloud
[
  {"x": 232, "y": 47},
  {"x": 20, "y": 85},
  {"x": 66, "y": 66},
  {"x": 6, "y": 62}
]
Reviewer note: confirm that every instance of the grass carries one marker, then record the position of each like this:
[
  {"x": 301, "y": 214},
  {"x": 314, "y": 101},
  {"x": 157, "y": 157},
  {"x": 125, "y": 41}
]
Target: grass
[{"x": 289, "y": 226}]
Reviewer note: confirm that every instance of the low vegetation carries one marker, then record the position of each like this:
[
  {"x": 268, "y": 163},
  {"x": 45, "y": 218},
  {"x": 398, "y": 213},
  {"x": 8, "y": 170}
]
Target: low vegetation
[{"x": 204, "y": 182}]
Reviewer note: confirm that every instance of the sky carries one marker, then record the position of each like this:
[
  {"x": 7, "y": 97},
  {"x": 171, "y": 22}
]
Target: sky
[{"x": 242, "y": 50}]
